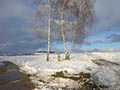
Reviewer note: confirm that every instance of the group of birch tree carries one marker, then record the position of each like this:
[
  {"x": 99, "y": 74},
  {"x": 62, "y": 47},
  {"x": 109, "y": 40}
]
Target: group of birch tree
[{"x": 77, "y": 15}]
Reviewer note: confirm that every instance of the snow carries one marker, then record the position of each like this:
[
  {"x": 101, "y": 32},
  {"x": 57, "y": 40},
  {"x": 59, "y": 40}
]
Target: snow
[
  {"x": 103, "y": 67},
  {"x": 111, "y": 56}
]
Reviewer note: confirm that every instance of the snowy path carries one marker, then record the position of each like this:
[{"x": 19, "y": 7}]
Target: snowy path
[{"x": 112, "y": 70}]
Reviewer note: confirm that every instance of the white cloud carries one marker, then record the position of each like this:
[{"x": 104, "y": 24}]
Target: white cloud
[{"x": 4, "y": 45}]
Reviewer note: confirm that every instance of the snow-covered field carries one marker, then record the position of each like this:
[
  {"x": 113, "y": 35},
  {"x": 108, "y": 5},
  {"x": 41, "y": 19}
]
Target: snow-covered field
[{"x": 104, "y": 70}]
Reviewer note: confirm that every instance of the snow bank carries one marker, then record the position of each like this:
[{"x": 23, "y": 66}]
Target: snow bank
[
  {"x": 111, "y": 56},
  {"x": 104, "y": 72}
]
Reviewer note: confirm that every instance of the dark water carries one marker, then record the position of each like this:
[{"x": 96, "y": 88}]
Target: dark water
[{"x": 12, "y": 79}]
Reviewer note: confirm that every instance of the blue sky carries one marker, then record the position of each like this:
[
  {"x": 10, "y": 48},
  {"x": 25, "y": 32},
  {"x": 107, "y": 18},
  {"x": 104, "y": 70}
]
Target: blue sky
[
  {"x": 17, "y": 33},
  {"x": 107, "y": 44}
]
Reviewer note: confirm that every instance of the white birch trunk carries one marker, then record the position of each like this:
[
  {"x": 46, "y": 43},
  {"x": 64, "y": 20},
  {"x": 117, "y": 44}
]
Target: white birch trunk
[
  {"x": 64, "y": 41},
  {"x": 63, "y": 34},
  {"x": 48, "y": 51}
]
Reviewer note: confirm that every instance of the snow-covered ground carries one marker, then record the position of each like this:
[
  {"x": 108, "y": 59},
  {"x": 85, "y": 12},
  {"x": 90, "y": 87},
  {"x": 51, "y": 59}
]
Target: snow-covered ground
[{"x": 104, "y": 69}]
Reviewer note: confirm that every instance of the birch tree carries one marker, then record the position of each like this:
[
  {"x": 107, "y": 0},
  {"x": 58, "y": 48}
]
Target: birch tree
[
  {"x": 45, "y": 9},
  {"x": 78, "y": 14},
  {"x": 84, "y": 13},
  {"x": 61, "y": 6}
]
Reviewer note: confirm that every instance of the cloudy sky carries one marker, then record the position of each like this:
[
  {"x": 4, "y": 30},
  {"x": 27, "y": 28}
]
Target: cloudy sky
[{"x": 17, "y": 34}]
